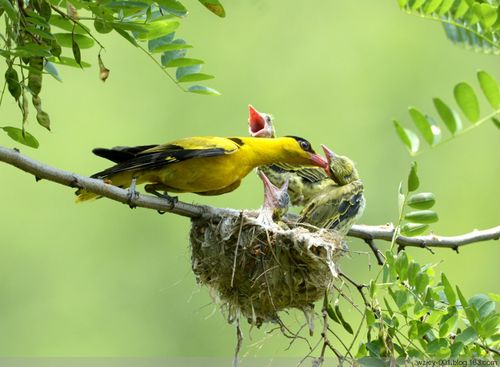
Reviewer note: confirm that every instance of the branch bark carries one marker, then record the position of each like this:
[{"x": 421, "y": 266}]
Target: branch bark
[{"x": 368, "y": 233}]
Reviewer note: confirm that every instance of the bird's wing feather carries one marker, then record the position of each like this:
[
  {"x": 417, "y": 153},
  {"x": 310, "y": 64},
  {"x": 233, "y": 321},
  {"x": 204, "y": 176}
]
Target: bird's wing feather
[
  {"x": 159, "y": 156},
  {"x": 121, "y": 154}
]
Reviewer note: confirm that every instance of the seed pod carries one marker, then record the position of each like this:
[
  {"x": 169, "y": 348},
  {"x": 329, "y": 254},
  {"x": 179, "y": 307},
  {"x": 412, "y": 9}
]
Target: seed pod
[
  {"x": 43, "y": 119},
  {"x": 12, "y": 80},
  {"x": 76, "y": 53},
  {"x": 25, "y": 109},
  {"x": 35, "y": 75},
  {"x": 37, "y": 102}
]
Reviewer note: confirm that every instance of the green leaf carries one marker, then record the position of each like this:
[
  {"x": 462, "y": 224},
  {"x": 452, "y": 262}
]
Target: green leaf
[
  {"x": 102, "y": 26},
  {"x": 63, "y": 23},
  {"x": 402, "y": 265},
  {"x": 413, "y": 229},
  {"x": 158, "y": 29},
  {"x": 495, "y": 297},
  {"x": 445, "y": 6},
  {"x": 482, "y": 304},
  {"x": 422, "y": 216},
  {"x": 373, "y": 288},
  {"x": 68, "y": 61},
  {"x": 496, "y": 122},
  {"x": 423, "y": 200},
  {"x": 67, "y": 40},
  {"x": 214, "y": 6},
  {"x": 467, "y": 101},
  {"x": 183, "y": 62},
  {"x": 9, "y": 9},
  {"x": 413, "y": 181},
  {"x": 413, "y": 270},
  {"x": 489, "y": 326},
  {"x": 40, "y": 32},
  {"x": 487, "y": 14},
  {"x": 126, "y": 35},
  {"x": 456, "y": 348},
  {"x": 429, "y": 130},
  {"x": 344, "y": 323},
  {"x": 421, "y": 282},
  {"x": 448, "y": 323},
  {"x": 33, "y": 49},
  {"x": 431, "y": 6},
  {"x": 171, "y": 47},
  {"x": 200, "y": 89},
  {"x": 77, "y": 53},
  {"x": 471, "y": 316},
  {"x": 450, "y": 118},
  {"x": 448, "y": 290},
  {"x": 489, "y": 86},
  {"x": 417, "y": 4},
  {"x": 370, "y": 317},
  {"x": 195, "y": 77},
  {"x": 408, "y": 137},
  {"x": 331, "y": 313},
  {"x": 467, "y": 336},
  {"x": 17, "y": 135},
  {"x": 173, "y": 7}
]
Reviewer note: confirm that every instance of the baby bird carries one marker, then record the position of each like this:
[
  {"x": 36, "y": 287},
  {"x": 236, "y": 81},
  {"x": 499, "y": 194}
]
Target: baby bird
[
  {"x": 276, "y": 202},
  {"x": 303, "y": 183},
  {"x": 339, "y": 205}
]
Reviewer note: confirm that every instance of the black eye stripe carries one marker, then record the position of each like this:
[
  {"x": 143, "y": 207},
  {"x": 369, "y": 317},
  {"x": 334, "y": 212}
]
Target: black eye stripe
[{"x": 304, "y": 144}]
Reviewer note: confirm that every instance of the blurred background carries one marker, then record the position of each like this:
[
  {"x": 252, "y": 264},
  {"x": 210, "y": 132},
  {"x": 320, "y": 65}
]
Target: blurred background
[{"x": 99, "y": 279}]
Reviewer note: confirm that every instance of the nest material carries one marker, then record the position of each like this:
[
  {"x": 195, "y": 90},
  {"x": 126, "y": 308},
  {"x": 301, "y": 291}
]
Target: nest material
[{"x": 258, "y": 271}]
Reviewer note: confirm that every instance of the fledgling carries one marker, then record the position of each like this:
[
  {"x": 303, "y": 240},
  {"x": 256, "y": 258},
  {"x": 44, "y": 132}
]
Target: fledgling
[
  {"x": 303, "y": 183},
  {"x": 276, "y": 202},
  {"x": 339, "y": 205}
]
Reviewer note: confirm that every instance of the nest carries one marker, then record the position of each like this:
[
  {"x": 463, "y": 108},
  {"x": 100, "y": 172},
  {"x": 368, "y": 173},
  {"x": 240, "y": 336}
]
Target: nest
[{"x": 257, "y": 271}]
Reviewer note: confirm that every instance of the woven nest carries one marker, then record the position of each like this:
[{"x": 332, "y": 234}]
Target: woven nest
[{"x": 258, "y": 271}]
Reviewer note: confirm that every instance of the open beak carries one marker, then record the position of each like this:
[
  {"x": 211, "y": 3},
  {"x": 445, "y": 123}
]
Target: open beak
[
  {"x": 328, "y": 153},
  {"x": 269, "y": 189},
  {"x": 256, "y": 122}
]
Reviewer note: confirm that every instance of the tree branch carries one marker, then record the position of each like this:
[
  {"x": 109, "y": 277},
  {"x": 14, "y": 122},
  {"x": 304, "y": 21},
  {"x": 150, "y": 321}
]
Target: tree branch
[{"x": 368, "y": 233}]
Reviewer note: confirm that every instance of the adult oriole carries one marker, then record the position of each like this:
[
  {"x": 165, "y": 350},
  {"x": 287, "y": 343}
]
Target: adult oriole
[{"x": 203, "y": 165}]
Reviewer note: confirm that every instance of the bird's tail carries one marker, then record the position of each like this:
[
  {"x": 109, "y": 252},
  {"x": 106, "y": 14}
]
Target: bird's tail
[{"x": 84, "y": 195}]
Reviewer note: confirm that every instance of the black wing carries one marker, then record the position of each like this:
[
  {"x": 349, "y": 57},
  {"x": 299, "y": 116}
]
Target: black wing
[{"x": 156, "y": 159}]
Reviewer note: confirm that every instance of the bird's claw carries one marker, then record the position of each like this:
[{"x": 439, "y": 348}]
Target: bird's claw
[{"x": 132, "y": 194}]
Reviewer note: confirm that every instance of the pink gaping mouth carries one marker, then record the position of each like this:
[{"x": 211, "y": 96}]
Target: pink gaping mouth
[{"x": 256, "y": 122}]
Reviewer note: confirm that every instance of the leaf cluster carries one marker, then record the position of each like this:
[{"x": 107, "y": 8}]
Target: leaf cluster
[
  {"x": 468, "y": 103},
  {"x": 41, "y": 35},
  {"x": 473, "y": 24}
]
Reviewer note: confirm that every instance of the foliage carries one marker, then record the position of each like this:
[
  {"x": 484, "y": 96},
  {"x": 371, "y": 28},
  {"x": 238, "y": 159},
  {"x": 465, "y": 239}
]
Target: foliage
[
  {"x": 467, "y": 101},
  {"x": 473, "y": 24},
  {"x": 414, "y": 312},
  {"x": 41, "y": 34}
]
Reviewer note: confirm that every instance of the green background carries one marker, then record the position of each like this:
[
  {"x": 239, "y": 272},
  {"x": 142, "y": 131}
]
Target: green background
[{"x": 99, "y": 279}]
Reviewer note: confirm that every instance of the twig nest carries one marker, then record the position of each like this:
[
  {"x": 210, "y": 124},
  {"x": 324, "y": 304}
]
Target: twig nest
[{"x": 260, "y": 270}]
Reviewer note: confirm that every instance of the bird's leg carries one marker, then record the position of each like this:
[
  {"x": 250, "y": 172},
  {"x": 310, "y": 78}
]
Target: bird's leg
[
  {"x": 132, "y": 194},
  {"x": 155, "y": 188}
]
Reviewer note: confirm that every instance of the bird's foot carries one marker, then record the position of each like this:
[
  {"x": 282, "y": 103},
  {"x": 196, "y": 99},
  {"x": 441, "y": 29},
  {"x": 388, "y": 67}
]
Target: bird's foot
[
  {"x": 132, "y": 195},
  {"x": 153, "y": 189}
]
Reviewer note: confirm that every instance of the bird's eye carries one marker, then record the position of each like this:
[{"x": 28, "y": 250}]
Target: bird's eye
[
  {"x": 268, "y": 119},
  {"x": 305, "y": 145}
]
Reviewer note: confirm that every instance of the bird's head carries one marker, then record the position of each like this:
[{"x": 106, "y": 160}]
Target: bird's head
[
  {"x": 276, "y": 199},
  {"x": 341, "y": 169},
  {"x": 260, "y": 124},
  {"x": 304, "y": 153}
]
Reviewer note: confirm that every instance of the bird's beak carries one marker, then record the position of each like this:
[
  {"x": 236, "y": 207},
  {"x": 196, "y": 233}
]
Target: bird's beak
[
  {"x": 330, "y": 155},
  {"x": 256, "y": 122},
  {"x": 318, "y": 160},
  {"x": 269, "y": 188}
]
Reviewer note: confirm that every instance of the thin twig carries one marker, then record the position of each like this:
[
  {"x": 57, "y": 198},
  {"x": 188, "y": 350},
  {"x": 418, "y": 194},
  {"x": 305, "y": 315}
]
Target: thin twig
[
  {"x": 384, "y": 232},
  {"x": 378, "y": 255}
]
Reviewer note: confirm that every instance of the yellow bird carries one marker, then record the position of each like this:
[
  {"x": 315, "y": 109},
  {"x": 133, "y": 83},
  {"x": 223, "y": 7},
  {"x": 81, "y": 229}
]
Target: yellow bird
[{"x": 203, "y": 165}]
